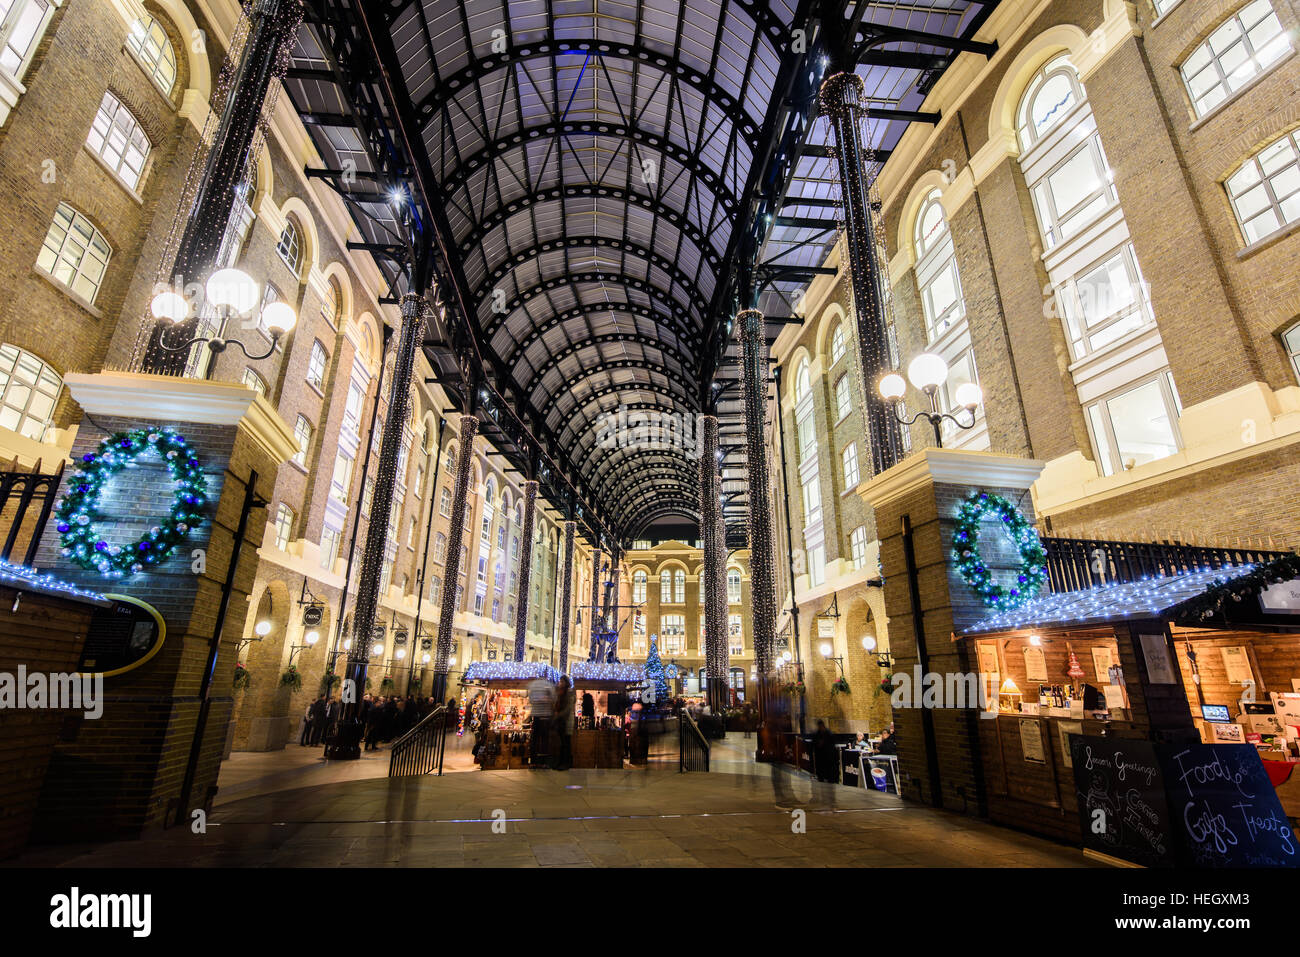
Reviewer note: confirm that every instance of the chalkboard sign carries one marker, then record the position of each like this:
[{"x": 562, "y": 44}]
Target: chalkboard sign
[
  {"x": 122, "y": 637},
  {"x": 1122, "y": 806},
  {"x": 1226, "y": 811}
]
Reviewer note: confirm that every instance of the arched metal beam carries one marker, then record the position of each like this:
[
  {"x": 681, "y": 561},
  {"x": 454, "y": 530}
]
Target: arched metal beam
[
  {"x": 615, "y": 456},
  {"x": 664, "y": 458},
  {"x": 678, "y": 405},
  {"x": 621, "y": 479},
  {"x": 499, "y": 272},
  {"x": 545, "y": 410},
  {"x": 521, "y": 346},
  {"x": 636, "y": 522},
  {"x": 646, "y": 489},
  {"x": 441, "y": 95},
  {"x": 680, "y": 221},
  {"x": 518, "y": 140},
  {"x": 501, "y": 317},
  {"x": 683, "y": 362}
]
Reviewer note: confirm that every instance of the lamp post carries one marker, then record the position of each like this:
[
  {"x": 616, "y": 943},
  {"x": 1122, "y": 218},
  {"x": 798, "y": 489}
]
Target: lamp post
[
  {"x": 928, "y": 372},
  {"x": 234, "y": 293}
]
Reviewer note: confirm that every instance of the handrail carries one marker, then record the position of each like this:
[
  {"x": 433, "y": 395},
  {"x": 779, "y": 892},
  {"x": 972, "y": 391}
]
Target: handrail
[
  {"x": 696, "y": 741},
  {"x": 420, "y": 750}
]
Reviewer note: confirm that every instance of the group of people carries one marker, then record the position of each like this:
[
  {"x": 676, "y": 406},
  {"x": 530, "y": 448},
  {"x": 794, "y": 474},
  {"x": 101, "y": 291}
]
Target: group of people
[
  {"x": 553, "y": 708},
  {"x": 384, "y": 718}
]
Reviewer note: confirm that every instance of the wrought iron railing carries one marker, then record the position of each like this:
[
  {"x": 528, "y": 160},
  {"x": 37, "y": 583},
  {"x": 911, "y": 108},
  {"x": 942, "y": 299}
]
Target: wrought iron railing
[
  {"x": 19, "y": 491},
  {"x": 1078, "y": 563},
  {"x": 420, "y": 750},
  {"x": 693, "y": 746}
]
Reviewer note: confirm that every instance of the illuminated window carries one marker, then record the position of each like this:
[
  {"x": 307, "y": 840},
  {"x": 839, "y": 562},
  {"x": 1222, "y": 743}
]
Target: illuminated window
[
  {"x": 733, "y": 586},
  {"x": 329, "y": 547},
  {"x": 850, "y": 459},
  {"x": 639, "y": 579},
  {"x": 837, "y": 343},
  {"x": 302, "y": 433},
  {"x": 858, "y": 546},
  {"x": 936, "y": 268},
  {"x": 75, "y": 253},
  {"x": 316, "y": 365},
  {"x": 116, "y": 138},
  {"x": 735, "y": 636},
  {"x": 843, "y": 397},
  {"x": 1243, "y": 47},
  {"x": 1265, "y": 192},
  {"x": 290, "y": 246},
  {"x": 254, "y": 381},
  {"x": 284, "y": 517},
  {"x": 444, "y": 502},
  {"x": 152, "y": 48},
  {"x": 1135, "y": 426},
  {"x": 28, "y": 391},
  {"x": 341, "y": 481}
]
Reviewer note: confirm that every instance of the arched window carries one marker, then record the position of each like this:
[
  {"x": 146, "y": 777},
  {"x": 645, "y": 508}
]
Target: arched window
[
  {"x": 837, "y": 343},
  {"x": 1102, "y": 299},
  {"x": 1291, "y": 339},
  {"x": 803, "y": 414},
  {"x": 679, "y": 586},
  {"x": 316, "y": 365},
  {"x": 28, "y": 391},
  {"x": 843, "y": 397},
  {"x": 153, "y": 49},
  {"x": 75, "y": 253},
  {"x": 332, "y": 305},
  {"x": 936, "y": 269},
  {"x": 639, "y": 579},
  {"x": 1265, "y": 192},
  {"x": 290, "y": 246},
  {"x": 254, "y": 381},
  {"x": 1247, "y": 44},
  {"x": 733, "y": 586},
  {"x": 665, "y": 586},
  {"x": 116, "y": 138},
  {"x": 302, "y": 433},
  {"x": 269, "y": 295}
]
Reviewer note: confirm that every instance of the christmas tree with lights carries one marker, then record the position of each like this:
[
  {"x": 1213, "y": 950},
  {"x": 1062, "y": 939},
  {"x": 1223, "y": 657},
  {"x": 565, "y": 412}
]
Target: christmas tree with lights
[{"x": 654, "y": 670}]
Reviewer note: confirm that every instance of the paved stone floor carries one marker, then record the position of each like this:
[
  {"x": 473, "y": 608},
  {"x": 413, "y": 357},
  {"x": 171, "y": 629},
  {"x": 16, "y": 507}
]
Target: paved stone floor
[{"x": 739, "y": 814}]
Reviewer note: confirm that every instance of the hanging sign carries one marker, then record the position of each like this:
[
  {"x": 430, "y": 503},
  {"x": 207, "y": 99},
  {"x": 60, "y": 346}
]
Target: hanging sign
[
  {"x": 1035, "y": 664},
  {"x": 312, "y": 615},
  {"x": 1155, "y": 651},
  {"x": 1237, "y": 665},
  {"x": 1101, "y": 662},
  {"x": 122, "y": 638}
]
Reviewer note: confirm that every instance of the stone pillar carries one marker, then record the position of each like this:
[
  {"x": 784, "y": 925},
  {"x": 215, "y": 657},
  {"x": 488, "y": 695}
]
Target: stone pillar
[
  {"x": 566, "y": 593},
  {"x": 347, "y": 742},
  {"x": 123, "y": 774},
  {"x": 455, "y": 534},
  {"x": 916, "y": 504},
  {"x": 525, "y": 569},
  {"x": 753, "y": 338},
  {"x": 713, "y": 576},
  {"x": 841, "y": 101},
  {"x": 274, "y": 22}
]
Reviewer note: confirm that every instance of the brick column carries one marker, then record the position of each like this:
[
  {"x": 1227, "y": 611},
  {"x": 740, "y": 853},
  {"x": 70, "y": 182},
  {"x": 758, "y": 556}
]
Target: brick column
[
  {"x": 915, "y": 505},
  {"x": 753, "y": 338},
  {"x": 566, "y": 593},
  {"x": 525, "y": 568},
  {"x": 713, "y": 575},
  {"x": 455, "y": 533},
  {"x": 123, "y": 773}
]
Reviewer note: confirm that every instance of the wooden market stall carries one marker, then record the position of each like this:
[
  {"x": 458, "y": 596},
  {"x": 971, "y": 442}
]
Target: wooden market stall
[
  {"x": 600, "y": 741},
  {"x": 498, "y": 710}
]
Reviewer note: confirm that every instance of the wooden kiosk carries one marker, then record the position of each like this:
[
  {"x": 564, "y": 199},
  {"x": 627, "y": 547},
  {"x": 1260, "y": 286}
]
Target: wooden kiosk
[
  {"x": 601, "y": 742},
  {"x": 502, "y": 714}
]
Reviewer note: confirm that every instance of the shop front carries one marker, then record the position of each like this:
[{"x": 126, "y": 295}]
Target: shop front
[
  {"x": 498, "y": 712},
  {"x": 1199, "y": 669},
  {"x": 602, "y": 692}
]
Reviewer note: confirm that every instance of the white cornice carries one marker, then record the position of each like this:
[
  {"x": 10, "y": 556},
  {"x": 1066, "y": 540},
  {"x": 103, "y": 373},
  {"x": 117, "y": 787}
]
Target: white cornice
[{"x": 949, "y": 467}]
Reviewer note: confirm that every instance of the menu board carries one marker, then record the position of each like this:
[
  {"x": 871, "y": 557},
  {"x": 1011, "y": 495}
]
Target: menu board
[
  {"x": 1035, "y": 664},
  {"x": 1226, "y": 809},
  {"x": 122, "y": 637},
  {"x": 1237, "y": 665},
  {"x": 1122, "y": 806}
]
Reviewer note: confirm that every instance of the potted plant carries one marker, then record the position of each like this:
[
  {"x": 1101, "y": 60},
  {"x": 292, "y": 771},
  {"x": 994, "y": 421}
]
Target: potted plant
[
  {"x": 840, "y": 686},
  {"x": 328, "y": 683},
  {"x": 886, "y": 686},
  {"x": 242, "y": 678},
  {"x": 388, "y": 685},
  {"x": 291, "y": 679}
]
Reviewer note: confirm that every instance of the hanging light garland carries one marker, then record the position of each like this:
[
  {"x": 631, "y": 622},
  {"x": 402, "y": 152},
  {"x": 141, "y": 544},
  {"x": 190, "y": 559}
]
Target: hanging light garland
[
  {"x": 79, "y": 511},
  {"x": 1032, "y": 572}
]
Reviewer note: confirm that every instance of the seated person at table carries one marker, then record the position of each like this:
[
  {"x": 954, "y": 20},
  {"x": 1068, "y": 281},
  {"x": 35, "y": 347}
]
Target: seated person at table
[
  {"x": 861, "y": 743},
  {"x": 888, "y": 742}
]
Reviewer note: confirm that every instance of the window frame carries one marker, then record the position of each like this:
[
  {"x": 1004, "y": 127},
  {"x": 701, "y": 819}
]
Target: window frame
[
  {"x": 1214, "y": 59},
  {"x": 316, "y": 369},
  {"x": 166, "y": 53},
  {"x": 44, "y": 372},
  {"x": 1266, "y": 182},
  {"x": 75, "y": 217},
  {"x": 292, "y": 253},
  {"x": 111, "y": 109},
  {"x": 1108, "y": 459}
]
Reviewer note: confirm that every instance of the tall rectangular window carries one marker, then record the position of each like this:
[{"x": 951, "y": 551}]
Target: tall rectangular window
[
  {"x": 858, "y": 546},
  {"x": 850, "y": 459},
  {"x": 341, "y": 481},
  {"x": 329, "y": 547},
  {"x": 283, "y": 522},
  {"x": 1135, "y": 426},
  {"x": 302, "y": 433},
  {"x": 20, "y": 28}
]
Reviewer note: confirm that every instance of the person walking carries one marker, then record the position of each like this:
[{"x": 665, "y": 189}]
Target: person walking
[
  {"x": 824, "y": 753},
  {"x": 564, "y": 708},
  {"x": 304, "y": 729},
  {"x": 315, "y": 721},
  {"x": 541, "y": 705},
  {"x": 589, "y": 709}
]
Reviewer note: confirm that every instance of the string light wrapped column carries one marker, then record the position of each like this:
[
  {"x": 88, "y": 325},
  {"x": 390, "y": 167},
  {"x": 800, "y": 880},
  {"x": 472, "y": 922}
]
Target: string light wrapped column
[
  {"x": 753, "y": 341},
  {"x": 712, "y": 575},
  {"x": 611, "y": 602},
  {"x": 347, "y": 743},
  {"x": 595, "y": 595},
  {"x": 566, "y": 594},
  {"x": 525, "y": 568},
  {"x": 265, "y": 57},
  {"x": 841, "y": 102},
  {"x": 455, "y": 534}
]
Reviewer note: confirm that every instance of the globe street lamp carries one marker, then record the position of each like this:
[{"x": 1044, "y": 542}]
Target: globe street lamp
[
  {"x": 234, "y": 293},
  {"x": 928, "y": 372}
]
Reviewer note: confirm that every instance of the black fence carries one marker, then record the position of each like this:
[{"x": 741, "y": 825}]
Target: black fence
[
  {"x": 420, "y": 750},
  {"x": 1078, "y": 563},
  {"x": 693, "y": 746},
  {"x": 20, "y": 492}
]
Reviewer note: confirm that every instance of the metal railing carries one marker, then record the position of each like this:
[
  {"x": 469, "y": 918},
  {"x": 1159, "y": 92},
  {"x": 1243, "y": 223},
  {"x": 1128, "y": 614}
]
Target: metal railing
[
  {"x": 420, "y": 750},
  {"x": 19, "y": 490},
  {"x": 1077, "y": 563},
  {"x": 692, "y": 746}
]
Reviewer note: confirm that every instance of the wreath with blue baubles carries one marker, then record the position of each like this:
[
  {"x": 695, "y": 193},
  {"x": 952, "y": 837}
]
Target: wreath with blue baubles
[{"x": 1032, "y": 572}]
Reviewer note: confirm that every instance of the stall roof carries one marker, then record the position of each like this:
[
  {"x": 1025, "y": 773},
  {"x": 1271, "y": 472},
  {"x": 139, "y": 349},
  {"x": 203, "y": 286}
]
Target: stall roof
[
  {"x": 1161, "y": 597},
  {"x": 508, "y": 672},
  {"x": 584, "y": 673}
]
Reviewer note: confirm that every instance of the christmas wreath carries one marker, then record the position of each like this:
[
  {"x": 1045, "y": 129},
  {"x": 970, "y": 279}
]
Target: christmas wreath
[
  {"x": 79, "y": 512},
  {"x": 970, "y": 564}
]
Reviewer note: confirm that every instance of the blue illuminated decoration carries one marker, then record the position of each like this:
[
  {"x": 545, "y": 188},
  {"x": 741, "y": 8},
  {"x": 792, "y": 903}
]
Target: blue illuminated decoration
[
  {"x": 22, "y": 576},
  {"x": 607, "y": 671},
  {"x": 483, "y": 671},
  {"x": 1032, "y": 571},
  {"x": 79, "y": 513}
]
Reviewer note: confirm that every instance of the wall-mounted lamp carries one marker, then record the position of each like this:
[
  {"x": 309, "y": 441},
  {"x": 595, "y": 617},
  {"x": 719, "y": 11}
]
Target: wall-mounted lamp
[{"x": 928, "y": 372}]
